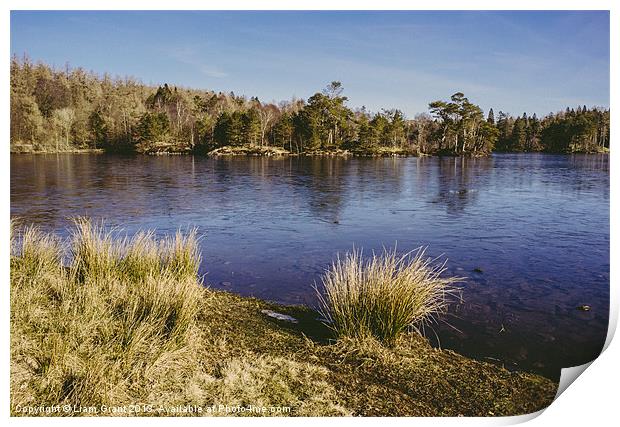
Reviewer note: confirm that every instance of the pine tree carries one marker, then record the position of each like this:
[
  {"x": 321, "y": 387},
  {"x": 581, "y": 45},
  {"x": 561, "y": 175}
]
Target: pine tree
[{"x": 491, "y": 117}]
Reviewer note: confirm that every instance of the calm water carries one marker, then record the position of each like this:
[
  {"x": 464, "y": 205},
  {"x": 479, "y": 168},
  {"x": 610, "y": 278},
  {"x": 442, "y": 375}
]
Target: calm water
[{"x": 536, "y": 225}]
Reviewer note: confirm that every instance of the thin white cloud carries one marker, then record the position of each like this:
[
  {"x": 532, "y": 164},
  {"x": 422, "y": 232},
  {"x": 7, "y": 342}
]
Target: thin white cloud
[
  {"x": 190, "y": 56},
  {"x": 210, "y": 71}
]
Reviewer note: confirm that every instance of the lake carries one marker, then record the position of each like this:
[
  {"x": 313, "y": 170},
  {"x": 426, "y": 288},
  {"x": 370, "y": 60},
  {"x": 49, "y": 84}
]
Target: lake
[{"x": 529, "y": 231}]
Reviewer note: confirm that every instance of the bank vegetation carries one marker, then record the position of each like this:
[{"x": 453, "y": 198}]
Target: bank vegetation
[{"x": 103, "y": 319}]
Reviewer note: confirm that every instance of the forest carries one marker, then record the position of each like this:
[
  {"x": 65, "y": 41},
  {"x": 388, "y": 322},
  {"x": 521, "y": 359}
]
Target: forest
[{"x": 70, "y": 109}]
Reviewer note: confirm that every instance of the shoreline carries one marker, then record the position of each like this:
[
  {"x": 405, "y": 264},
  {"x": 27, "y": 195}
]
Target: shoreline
[
  {"x": 278, "y": 152},
  {"x": 112, "y": 329},
  {"x": 70, "y": 151},
  {"x": 308, "y": 341}
]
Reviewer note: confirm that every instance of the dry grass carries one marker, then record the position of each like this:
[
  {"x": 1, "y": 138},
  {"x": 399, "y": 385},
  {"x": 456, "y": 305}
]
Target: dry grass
[
  {"x": 121, "y": 323},
  {"x": 38, "y": 252},
  {"x": 385, "y": 295},
  {"x": 85, "y": 334},
  {"x": 98, "y": 320},
  {"x": 267, "y": 381}
]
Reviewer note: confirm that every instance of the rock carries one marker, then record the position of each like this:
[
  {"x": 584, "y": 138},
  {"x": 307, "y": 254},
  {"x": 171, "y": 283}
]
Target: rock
[
  {"x": 584, "y": 307},
  {"x": 478, "y": 270},
  {"x": 279, "y": 316}
]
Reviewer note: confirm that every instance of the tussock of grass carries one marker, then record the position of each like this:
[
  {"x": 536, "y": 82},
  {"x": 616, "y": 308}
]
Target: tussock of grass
[
  {"x": 94, "y": 252},
  {"x": 383, "y": 296},
  {"x": 126, "y": 321},
  {"x": 98, "y": 254},
  {"x": 181, "y": 255},
  {"x": 39, "y": 252},
  {"x": 86, "y": 333}
]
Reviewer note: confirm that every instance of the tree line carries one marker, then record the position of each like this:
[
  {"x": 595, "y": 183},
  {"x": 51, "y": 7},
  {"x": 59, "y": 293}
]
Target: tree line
[{"x": 67, "y": 109}]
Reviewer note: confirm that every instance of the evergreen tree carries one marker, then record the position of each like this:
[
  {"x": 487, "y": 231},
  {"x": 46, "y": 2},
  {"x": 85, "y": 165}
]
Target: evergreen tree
[
  {"x": 152, "y": 129},
  {"x": 491, "y": 117}
]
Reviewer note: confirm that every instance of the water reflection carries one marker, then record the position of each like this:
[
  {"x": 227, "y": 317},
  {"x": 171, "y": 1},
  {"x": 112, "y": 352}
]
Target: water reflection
[
  {"x": 322, "y": 186},
  {"x": 458, "y": 180}
]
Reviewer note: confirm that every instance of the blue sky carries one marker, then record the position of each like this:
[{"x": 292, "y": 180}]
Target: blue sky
[{"x": 511, "y": 61}]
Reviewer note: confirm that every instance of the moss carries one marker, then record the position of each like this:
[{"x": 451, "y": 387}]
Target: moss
[{"x": 409, "y": 379}]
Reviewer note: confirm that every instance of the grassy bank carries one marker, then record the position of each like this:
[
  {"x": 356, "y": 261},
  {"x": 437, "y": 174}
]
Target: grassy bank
[{"x": 99, "y": 320}]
